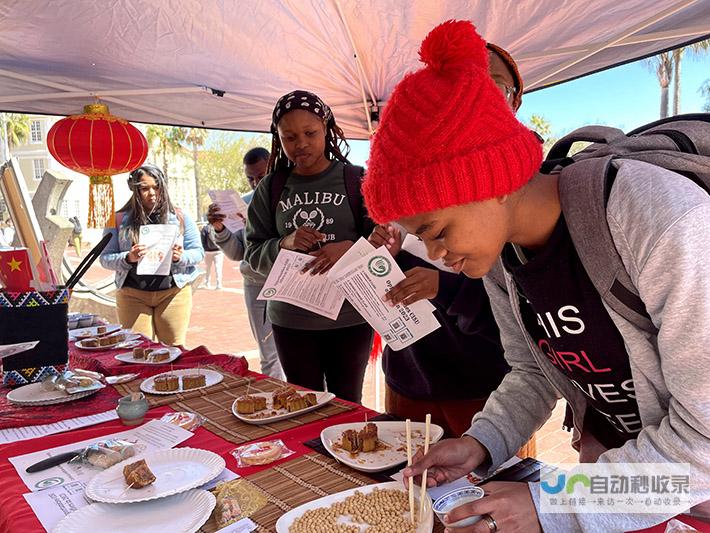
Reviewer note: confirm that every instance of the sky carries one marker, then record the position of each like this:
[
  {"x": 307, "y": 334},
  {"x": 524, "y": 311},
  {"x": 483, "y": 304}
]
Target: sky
[{"x": 624, "y": 97}]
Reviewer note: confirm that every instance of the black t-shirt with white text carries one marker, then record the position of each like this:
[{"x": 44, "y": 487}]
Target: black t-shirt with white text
[{"x": 565, "y": 316}]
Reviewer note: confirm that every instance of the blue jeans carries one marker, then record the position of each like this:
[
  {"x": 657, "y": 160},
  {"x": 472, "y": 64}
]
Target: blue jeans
[{"x": 261, "y": 329}]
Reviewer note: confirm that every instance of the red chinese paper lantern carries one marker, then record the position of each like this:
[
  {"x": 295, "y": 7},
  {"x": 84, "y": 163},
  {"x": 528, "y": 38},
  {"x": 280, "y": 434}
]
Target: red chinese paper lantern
[{"x": 99, "y": 145}]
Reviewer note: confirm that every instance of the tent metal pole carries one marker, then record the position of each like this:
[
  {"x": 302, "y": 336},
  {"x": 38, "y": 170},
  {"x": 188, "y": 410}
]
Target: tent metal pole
[
  {"x": 360, "y": 70},
  {"x": 243, "y": 100},
  {"x": 98, "y": 94},
  {"x": 62, "y": 87},
  {"x": 633, "y": 39},
  {"x": 680, "y": 6}
]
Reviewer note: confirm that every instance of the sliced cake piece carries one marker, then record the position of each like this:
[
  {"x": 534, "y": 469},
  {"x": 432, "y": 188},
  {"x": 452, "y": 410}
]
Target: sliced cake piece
[{"x": 138, "y": 475}]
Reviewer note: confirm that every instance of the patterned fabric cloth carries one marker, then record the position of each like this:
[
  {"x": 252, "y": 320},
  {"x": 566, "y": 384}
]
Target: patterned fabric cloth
[{"x": 301, "y": 100}]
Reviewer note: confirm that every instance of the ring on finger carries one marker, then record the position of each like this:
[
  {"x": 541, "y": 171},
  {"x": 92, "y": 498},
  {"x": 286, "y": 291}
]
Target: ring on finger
[{"x": 490, "y": 522}]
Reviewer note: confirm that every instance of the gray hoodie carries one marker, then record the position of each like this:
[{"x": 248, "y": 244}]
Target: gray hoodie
[{"x": 659, "y": 222}]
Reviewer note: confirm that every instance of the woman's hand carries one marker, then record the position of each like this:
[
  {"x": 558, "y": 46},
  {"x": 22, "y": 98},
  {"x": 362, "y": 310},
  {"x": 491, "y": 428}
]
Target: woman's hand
[
  {"x": 302, "y": 240},
  {"x": 326, "y": 257},
  {"x": 508, "y": 503},
  {"x": 387, "y": 236},
  {"x": 447, "y": 460},
  {"x": 136, "y": 252},
  {"x": 177, "y": 252},
  {"x": 421, "y": 283},
  {"x": 215, "y": 218}
]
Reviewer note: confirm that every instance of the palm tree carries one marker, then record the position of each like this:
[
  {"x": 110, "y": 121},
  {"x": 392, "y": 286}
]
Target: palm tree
[
  {"x": 705, "y": 91},
  {"x": 168, "y": 139},
  {"x": 196, "y": 137},
  {"x": 662, "y": 64},
  {"x": 17, "y": 128},
  {"x": 696, "y": 49}
]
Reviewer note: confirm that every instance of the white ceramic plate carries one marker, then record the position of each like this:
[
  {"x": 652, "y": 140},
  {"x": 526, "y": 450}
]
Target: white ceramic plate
[
  {"x": 185, "y": 512},
  {"x": 392, "y": 434},
  {"x": 211, "y": 378},
  {"x": 87, "y": 333},
  {"x": 32, "y": 395},
  {"x": 177, "y": 470},
  {"x": 128, "y": 357},
  {"x": 128, "y": 343},
  {"x": 286, "y": 521},
  {"x": 266, "y": 416}
]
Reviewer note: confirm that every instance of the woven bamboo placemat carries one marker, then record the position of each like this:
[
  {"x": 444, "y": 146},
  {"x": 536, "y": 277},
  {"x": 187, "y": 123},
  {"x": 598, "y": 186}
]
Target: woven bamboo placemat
[
  {"x": 230, "y": 381},
  {"x": 302, "y": 480},
  {"x": 216, "y": 407}
]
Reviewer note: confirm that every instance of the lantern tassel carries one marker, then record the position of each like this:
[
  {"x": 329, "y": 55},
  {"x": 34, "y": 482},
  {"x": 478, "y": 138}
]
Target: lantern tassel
[{"x": 101, "y": 203}]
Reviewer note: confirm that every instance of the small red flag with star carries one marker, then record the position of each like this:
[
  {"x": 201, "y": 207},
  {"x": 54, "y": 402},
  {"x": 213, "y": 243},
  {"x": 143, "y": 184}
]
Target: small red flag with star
[{"x": 15, "y": 269}]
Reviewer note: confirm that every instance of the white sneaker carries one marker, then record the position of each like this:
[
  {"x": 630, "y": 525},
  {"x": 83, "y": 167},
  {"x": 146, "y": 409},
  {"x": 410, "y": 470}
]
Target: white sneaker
[{"x": 218, "y": 287}]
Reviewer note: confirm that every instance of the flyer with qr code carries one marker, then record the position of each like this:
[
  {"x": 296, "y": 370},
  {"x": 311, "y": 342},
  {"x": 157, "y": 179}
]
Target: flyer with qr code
[{"x": 365, "y": 275}]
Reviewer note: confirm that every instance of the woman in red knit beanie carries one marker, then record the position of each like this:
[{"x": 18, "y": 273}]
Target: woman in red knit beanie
[{"x": 451, "y": 164}]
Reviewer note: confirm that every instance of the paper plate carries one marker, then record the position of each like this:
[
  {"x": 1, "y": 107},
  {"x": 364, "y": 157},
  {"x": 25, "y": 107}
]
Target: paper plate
[
  {"x": 270, "y": 415},
  {"x": 211, "y": 378},
  {"x": 286, "y": 521},
  {"x": 393, "y": 435},
  {"x": 87, "y": 333},
  {"x": 33, "y": 395},
  {"x": 128, "y": 343},
  {"x": 185, "y": 512},
  {"x": 127, "y": 357},
  {"x": 177, "y": 470}
]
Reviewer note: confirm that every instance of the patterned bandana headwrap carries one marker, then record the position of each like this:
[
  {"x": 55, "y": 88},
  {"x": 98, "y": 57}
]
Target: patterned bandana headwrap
[{"x": 300, "y": 100}]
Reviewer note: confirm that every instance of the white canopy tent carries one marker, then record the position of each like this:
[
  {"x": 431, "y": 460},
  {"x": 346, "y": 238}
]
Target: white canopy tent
[{"x": 224, "y": 63}]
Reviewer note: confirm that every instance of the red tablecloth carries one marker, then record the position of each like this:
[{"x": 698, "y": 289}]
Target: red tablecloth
[
  {"x": 17, "y": 516},
  {"x": 106, "y": 399}
]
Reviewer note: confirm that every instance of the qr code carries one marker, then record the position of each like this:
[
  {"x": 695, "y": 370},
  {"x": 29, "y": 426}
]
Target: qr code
[
  {"x": 397, "y": 324},
  {"x": 405, "y": 335}
]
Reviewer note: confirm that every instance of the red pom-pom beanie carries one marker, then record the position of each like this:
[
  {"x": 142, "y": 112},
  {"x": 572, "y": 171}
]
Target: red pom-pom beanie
[{"x": 447, "y": 136}]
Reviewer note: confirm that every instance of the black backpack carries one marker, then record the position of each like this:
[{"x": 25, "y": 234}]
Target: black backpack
[{"x": 680, "y": 144}]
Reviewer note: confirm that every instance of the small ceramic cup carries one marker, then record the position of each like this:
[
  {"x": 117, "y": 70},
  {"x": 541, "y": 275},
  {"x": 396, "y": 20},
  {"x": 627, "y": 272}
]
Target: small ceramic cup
[
  {"x": 449, "y": 501},
  {"x": 132, "y": 408}
]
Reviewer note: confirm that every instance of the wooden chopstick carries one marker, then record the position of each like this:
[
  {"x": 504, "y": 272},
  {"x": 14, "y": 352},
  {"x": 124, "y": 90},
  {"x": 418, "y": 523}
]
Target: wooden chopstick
[
  {"x": 408, "y": 425},
  {"x": 422, "y": 493}
]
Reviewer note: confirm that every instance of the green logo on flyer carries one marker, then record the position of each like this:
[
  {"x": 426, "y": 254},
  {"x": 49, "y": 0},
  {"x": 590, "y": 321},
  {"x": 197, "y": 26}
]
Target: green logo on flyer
[
  {"x": 268, "y": 293},
  {"x": 380, "y": 266},
  {"x": 49, "y": 482}
]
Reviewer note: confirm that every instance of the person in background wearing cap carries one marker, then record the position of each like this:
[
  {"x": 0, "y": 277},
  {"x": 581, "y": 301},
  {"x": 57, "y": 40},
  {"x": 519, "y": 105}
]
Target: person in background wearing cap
[
  {"x": 313, "y": 215},
  {"x": 450, "y": 372},
  {"x": 156, "y": 306},
  {"x": 470, "y": 188}
]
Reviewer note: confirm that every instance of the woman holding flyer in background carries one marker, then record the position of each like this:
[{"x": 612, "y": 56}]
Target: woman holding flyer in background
[
  {"x": 305, "y": 205},
  {"x": 156, "y": 304}
]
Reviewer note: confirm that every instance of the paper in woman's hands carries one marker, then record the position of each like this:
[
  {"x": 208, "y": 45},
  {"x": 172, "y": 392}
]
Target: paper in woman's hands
[
  {"x": 159, "y": 240},
  {"x": 232, "y": 206}
]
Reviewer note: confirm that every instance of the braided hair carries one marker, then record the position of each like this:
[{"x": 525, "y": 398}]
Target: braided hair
[
  {"x": 163, "y": 207},
  {"x": 336, "y": 147}
]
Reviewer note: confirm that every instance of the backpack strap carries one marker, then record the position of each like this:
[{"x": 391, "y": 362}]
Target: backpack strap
[
  {"x": 118, "y": 218},
  {"x": 276, "y": 188},
  {"x": 353, "y": 174},
  {"x": 181, "y": 218},
  {"x": 593, "y": 134},
  {"x": 584, "y": 190}
]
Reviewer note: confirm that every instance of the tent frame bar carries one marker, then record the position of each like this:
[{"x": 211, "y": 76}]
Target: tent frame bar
[
  {"x": 99, "y": 94},
  {"x": 360, "y": 71},
  {"x": 662, "y": 15},
  {"x": 633, "y": 39},
  {"x": 120, "y": 101}
]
